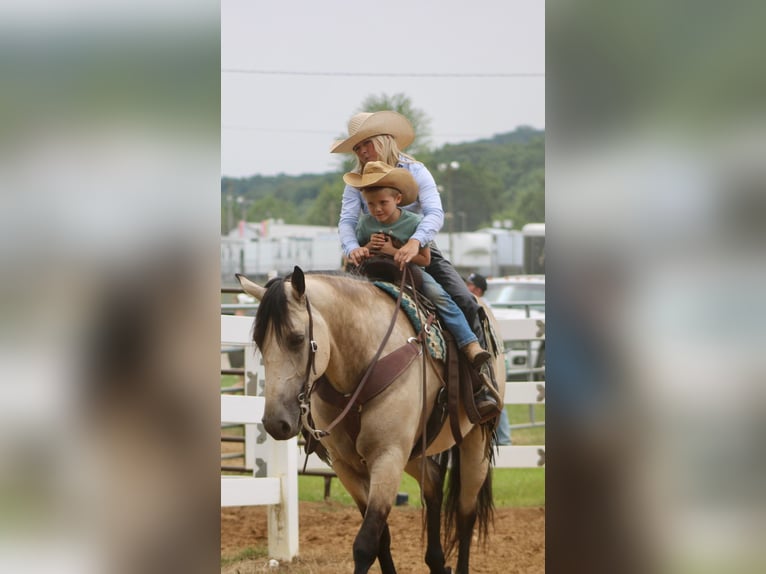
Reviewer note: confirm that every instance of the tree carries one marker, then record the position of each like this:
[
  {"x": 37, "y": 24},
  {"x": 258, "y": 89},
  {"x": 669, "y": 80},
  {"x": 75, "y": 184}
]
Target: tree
[{"x": 326, "y": 208}]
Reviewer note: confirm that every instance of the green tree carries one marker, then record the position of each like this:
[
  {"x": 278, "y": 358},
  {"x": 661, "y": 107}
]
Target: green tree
[
  {"x": 272, "y": 207},
  {"x": 325, "y": 209}
]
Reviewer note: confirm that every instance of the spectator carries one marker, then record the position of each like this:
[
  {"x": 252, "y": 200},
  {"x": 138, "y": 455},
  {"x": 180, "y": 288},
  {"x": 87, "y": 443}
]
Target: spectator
[{"x": 477, "y": 284}]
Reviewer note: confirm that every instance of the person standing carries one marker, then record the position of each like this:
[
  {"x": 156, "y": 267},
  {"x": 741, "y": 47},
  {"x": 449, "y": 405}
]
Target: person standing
[{"x": 477, "y": 284}]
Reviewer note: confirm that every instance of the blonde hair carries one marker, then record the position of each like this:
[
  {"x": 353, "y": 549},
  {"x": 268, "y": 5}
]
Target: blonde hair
[{"x": 388, "y": 152}]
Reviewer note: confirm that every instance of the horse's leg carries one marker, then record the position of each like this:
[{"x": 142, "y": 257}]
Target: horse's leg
[
  {"x": 358, "y": 487},
  {"x": 475, "y": 497},
  {"x": 431, "y": 485},
  {"x": 373, "y": 539}
]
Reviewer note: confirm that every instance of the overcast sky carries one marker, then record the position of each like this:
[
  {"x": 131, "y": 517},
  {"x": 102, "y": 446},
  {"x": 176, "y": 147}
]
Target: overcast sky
[{"x": 284, "y": 122}]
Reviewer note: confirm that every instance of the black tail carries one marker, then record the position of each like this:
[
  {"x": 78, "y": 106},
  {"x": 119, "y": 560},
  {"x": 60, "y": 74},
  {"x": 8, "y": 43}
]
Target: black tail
[{"x": 485, "y": 507}]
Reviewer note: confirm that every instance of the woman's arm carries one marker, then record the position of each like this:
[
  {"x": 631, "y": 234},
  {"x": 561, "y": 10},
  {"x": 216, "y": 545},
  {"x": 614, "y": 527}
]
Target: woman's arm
[
  {"x": 430, "y": 203},
  {"x": 423, "y": 258},
  {"x": 350, "y": 209}
]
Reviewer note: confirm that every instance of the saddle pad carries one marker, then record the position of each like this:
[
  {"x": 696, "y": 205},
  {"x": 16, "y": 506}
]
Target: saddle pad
[{"x": 434, "y": 341}]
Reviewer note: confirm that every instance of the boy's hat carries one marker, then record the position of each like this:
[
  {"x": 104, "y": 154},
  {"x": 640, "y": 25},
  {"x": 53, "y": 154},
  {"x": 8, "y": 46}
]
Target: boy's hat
[
  {"x": 380, "y": 174},
  {"x": 368, "y": 124}
]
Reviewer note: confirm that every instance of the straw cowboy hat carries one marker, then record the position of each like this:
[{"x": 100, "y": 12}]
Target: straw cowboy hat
[
  {"x": 380, "y": 174},
  {"x": 366, "y": 125}
]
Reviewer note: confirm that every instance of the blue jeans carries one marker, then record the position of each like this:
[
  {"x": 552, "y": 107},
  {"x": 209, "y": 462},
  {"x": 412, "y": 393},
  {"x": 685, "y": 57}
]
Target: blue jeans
[
  {"x": 445, "y": 274},
  {"x": 449, "y": 313},
  {"x": 503, "y": 429}
]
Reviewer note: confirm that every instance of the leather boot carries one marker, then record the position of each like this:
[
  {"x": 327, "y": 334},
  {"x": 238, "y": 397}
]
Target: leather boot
[{"x": 484, "y": 399}]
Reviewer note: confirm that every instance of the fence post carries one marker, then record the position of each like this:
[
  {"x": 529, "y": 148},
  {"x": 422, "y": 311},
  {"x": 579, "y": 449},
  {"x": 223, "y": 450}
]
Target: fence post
[{"x": 283, "y": 518}]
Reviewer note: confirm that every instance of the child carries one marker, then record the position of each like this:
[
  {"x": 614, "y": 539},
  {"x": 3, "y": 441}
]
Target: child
[{"x": 384, "y": 189}]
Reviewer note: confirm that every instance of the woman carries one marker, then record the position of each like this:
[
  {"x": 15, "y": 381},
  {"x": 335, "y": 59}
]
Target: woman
[{"x": 381, "y": 136}]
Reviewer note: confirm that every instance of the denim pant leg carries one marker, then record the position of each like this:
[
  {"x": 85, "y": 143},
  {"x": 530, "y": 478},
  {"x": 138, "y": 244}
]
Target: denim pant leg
[
  {"x": 449, "y": 313},
  {"x": 504, "y": 429},
  {"x": 445, "y": 274}
]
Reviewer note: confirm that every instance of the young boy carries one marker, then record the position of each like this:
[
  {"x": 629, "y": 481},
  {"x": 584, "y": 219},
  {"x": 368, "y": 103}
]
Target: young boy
[{"x": 387, "y": 227}]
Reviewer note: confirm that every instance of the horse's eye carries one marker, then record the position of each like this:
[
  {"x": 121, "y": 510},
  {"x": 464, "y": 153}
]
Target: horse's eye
[{"x": 295, "y": 340}]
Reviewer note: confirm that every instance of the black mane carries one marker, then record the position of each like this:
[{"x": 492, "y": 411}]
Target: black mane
[{"x": 272, "y": 309}]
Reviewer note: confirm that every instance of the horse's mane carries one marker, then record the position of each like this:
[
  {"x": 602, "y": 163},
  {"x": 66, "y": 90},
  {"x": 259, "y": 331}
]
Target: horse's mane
[{"x": 273, "y": 306}]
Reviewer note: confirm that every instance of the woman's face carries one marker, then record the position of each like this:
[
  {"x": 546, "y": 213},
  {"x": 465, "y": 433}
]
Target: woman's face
[{"x": 365, "y": 151}]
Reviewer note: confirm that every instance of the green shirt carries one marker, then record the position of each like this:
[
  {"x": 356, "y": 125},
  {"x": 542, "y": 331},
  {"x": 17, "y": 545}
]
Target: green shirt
[{"x": 401, "y": 229}]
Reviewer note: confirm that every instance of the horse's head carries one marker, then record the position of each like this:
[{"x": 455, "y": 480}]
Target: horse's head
[{"x": 284, "y": 335}]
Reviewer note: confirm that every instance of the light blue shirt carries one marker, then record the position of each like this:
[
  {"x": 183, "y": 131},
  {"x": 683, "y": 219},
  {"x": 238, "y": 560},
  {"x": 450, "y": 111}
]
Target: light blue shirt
[{"x": 429, "y": 204}]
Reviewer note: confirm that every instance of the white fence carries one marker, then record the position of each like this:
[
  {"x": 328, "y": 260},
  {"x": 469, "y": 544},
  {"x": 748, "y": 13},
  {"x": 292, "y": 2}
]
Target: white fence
[
  {"x": 275, "y": 477},
  {"x": 278, "y": 489}
]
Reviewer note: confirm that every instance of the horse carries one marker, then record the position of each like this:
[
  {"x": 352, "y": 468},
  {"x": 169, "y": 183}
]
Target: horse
[{"x": 332, "y": 325}]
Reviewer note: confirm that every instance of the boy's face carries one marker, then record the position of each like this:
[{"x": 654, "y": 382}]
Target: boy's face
[{"x": 382, "y": 203}]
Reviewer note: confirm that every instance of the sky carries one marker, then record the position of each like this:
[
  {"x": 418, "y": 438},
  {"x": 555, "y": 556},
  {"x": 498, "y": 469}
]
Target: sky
[{"x": 294, "y": 72}]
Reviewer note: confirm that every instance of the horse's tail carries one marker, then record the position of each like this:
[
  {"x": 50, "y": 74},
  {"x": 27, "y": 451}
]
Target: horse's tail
[{"x": 485, "y": 507}]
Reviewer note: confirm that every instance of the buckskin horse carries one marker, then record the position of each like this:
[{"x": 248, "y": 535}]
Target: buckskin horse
[{"x": 335, "y": 326}]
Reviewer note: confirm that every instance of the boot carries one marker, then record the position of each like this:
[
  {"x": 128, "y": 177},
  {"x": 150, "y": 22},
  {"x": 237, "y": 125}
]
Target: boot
[{"x": 484, "y": 399}]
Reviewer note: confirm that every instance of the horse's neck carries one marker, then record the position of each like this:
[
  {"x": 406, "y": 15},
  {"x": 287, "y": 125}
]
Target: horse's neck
[{"x": 356, "y": 332}]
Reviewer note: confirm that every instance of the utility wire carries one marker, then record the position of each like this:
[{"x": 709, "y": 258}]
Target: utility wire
[{"x": 386, "y": 74}]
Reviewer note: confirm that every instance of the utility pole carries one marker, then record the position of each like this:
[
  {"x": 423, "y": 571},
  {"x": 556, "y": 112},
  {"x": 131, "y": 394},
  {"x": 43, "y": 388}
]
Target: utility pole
[{"x": 450, "y": 214}]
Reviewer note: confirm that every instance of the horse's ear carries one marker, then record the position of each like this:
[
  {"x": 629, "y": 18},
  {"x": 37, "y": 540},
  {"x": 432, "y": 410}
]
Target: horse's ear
[
  {"x": 298, "y": 281},
  {"x": 251, "y": 288}
]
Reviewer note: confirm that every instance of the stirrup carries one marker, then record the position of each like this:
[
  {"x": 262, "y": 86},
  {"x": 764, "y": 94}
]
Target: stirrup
[{"x": 486, "y": 405}]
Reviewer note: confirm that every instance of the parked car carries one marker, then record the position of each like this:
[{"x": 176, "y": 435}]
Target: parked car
[{"x": 518, "y": 297}]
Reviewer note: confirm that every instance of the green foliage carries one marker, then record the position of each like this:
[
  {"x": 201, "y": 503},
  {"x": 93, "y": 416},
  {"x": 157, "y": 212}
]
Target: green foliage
[
  {"x": 499, "y": 178},
  {"x": 326, "y": 209}
]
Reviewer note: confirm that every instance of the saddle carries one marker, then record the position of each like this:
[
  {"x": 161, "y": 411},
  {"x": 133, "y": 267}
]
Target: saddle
[{"x": 382, "y": 267}]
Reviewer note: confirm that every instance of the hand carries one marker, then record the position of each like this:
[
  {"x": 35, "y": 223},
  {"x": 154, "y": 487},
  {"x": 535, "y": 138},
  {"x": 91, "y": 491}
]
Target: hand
[
  {"x": 358, "y": 255},
  {"x": 378, "y": 241},
  {"x": 407, "y": 252}
]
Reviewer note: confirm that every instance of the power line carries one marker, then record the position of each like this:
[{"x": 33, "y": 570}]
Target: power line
[
  {"x": 280, "y": 130},
  {"x": 335, "y": 133},
  {"x": 386, "y": 74}
]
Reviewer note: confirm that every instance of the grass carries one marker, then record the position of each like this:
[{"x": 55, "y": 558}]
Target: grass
[
  {"x": 512, "y": 487},
  {"x": 230, "y": 381}
]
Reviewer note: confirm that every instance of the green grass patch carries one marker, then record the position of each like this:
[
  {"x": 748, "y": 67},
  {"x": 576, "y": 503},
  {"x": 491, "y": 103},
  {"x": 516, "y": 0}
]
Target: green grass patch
[
  {"x": 512, "y": 487},
  {"x": 522, "y": 414},
  {"x": 518, "y": 487},
  {"x": 230, "y": 381}
]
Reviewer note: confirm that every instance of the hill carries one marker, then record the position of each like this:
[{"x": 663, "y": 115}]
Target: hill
[{"x": 498, "y": 179}]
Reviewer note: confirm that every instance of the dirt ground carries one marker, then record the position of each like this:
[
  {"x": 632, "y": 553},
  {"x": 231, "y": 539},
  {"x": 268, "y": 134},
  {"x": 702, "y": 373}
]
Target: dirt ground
[{"x": 327, "y": 530}]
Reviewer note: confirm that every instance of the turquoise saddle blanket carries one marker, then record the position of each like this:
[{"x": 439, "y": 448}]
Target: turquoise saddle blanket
[{"x": 437, "y": 347}]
